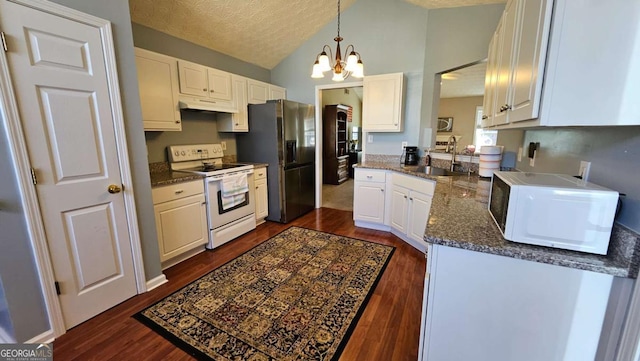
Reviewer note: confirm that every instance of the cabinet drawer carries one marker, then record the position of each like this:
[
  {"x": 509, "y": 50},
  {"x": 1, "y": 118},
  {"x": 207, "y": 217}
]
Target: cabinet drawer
[
  {"x": 260, "y": 173},
  {"x": 370, "y": 175},
  {"x": 177, "y": 191}
]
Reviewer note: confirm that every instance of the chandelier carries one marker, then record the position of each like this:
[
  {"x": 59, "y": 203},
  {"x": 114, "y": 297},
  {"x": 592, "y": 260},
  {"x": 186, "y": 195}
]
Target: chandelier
[{"x": 341, "y": 69}]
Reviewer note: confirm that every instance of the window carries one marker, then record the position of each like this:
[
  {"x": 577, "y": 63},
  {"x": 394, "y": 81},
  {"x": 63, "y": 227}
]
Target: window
[{"x": 483, "y": 137}]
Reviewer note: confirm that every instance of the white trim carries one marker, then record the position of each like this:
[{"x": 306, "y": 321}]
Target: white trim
[
  {"x": 45, "y": 337},
  {"x": 22, "y": 166},
  {"x": 319, "y": 145},
  {"x": 156, "y": 282},
  {"x": 629, "y": 348}
]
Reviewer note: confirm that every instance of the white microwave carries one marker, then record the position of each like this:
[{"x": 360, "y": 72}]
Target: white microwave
[{"x": 553, "y": 210}]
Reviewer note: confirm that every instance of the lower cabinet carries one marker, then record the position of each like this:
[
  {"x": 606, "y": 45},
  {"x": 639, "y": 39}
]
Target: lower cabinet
[
  {"x": 369, "y": 198},
  {"x": 485, "y": 307},
  {"x": 181, "y": 219},
  {"x": 390, "y": 201},
  {"x": 262, "y": 195},
  {"x": 409, "y": 208}
]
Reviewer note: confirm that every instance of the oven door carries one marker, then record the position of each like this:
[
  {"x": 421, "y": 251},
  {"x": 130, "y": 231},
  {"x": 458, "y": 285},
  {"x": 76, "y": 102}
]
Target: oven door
[{"x": 216, "y": 214}]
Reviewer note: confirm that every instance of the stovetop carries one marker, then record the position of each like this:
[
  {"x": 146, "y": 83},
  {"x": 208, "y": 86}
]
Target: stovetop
[{"x": 213, "y": 169}]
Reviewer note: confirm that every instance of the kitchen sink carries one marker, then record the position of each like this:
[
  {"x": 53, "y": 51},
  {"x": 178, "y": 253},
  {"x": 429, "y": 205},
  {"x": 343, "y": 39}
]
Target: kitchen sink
[{"x": 438, "y": 171}]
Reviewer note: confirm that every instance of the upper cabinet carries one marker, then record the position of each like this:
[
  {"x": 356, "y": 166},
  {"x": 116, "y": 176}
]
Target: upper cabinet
[
  {"x": 549, "y": 69},
  {"x": 259, "y": 92},
  {"x": 236, "y": 122},
  {"x": 382, "y": 103},
  {"x": 208, "y": 85},
  {"x": 158, "y": 84}
]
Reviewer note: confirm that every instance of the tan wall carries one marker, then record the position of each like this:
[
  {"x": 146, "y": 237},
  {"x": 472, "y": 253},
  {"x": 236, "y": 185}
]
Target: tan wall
[
  {"x": 463, "y": 112},
  {"x": 338, "y": 96}
]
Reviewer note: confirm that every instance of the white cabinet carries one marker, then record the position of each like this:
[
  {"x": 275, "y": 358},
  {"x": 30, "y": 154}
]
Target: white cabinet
[
  {"x": 236, "y": 122},
  {"x": 181, "y": 218},
  {"x": 369, "y": 197},
  {"x": 409, "y": 208},
  {"x": 262, "y": 195},
  {"x": 259, "y": 92},
  {"x": 208, "y": 85},
  {"x": 158, "y": 84},
  {"x": 382, "y": 103},
  {"x": 559, "y": 74},
  {"x": 276, "y": 92},
  {"x": 485, "y": 307},
  {"x": 490, "y": 82}
]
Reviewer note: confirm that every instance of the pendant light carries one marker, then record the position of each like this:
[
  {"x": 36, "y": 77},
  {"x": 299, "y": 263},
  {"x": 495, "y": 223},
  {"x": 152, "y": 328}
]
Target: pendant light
[{"x": 341, "y": 68}]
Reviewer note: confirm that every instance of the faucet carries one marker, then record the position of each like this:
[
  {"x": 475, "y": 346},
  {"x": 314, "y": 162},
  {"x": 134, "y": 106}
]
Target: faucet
[{"x": 452, "y": 147}]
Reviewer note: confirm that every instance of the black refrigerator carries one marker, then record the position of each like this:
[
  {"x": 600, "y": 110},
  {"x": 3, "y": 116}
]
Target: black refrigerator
[{"x": 282, "y": 134}]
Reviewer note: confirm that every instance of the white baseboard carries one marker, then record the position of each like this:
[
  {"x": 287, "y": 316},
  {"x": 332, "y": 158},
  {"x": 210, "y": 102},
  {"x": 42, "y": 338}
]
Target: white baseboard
[
  {"x": 156, "y": 282},
  {"x": 45, "y": 337}
]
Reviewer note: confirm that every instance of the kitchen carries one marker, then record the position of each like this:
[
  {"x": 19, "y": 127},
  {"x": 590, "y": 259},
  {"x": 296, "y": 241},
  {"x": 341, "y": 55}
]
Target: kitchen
[{"x": 429, "y": 34}]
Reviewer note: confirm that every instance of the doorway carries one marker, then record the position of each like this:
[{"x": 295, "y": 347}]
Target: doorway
[{"x": 339, "y": 142}]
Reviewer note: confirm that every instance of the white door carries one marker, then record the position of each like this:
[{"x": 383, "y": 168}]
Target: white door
[
  {"x": 419, "y": 207},
  {"x": 193, "y": 79},
  {"x": 219, "y": 84},
  {"x": 368, "y": 202},
  {"x": 60, "y": 82},
  {"x": 399, "y": 206}
]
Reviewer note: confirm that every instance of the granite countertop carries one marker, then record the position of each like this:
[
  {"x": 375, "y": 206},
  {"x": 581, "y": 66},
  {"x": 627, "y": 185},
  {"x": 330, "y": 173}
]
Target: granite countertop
[
  {"x": 459, "y": 218},
  {"x": 162, "y": 175}
]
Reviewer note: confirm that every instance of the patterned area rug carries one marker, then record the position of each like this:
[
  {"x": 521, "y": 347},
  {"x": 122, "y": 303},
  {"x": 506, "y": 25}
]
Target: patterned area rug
[{"x": 297, "y": 296}]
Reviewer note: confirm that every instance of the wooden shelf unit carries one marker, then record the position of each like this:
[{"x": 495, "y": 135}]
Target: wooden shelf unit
[{"x": 335, "y": 144}]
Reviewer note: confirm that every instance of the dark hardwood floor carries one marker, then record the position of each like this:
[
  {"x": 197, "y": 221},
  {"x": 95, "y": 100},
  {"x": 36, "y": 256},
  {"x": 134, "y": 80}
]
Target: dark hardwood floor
[{"x": 388, "y": 329}]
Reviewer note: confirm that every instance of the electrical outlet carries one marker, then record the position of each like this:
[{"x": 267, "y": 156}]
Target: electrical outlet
[
  {"x": 585, "y": 167},
  {"x": 370, "y": 138},
  {"x": 404, "y": 144},
  {"x": 520, "y": 154},
  {"x": 223, "y": 145}
]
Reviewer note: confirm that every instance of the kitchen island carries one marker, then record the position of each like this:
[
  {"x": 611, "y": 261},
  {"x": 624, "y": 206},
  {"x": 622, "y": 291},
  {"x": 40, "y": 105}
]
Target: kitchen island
[{"x": 490, "y": 299}]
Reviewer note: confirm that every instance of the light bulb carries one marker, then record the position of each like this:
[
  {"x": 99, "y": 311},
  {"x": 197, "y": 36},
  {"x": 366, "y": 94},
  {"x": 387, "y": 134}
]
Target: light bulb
[
  {"x": 359, "y": 71},
  {"x": 337, "y": 77},
  {"x": 324, "y": 62},
  {"x": 317, "y": 73},
  {"x": 352, "y": 62}
]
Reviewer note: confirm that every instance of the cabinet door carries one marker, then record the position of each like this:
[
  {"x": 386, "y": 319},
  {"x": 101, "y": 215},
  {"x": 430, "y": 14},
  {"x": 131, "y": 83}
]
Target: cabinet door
[
  {"x": 257, "y": 92},
  {"x": 399, "y": 208},
  {"x": 368, "y": 202},
  {"x": 490, "y": 83},
  {"x": 262, "y": 199},
  {"x": 529, "y": 62},
  {"x": 181, "y": 225},
  {"x": 382, "y": 103},
  {"x": 158, "y": 84},
  {"x": 219, "y": 84},
  {"x": 276, "y": 92},
  {"x": 506, "y": 29},
  {"x": 193, "y": 79},
  {"x": 419, "y": 207},
  {"x": 236, "y": 122}
]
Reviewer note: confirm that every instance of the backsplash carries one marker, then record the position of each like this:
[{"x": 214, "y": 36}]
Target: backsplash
[
  {"x": 197, "y": 128},
  {"x": 614, "y": 153}
]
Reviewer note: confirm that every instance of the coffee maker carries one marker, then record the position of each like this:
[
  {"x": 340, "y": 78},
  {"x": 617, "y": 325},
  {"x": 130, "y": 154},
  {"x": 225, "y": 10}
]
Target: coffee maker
[{"x": 409, "y": 156}]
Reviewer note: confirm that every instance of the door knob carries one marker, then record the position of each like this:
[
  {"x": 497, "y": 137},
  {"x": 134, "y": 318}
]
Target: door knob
[{"x": 113, "y": 188}]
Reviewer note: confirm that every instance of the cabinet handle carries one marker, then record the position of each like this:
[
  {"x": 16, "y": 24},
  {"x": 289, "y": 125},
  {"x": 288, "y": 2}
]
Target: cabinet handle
[
  {"x": 204, "y": 203},
  {"x": 411, "y": 199},
  {"x": 179, "y": 191},
  {"x": 211, "y": 90},
  {"x": 485, "y": 117},
  {"x": 204, "y": 90},
  {"x": 369, "y": 176},
  {"x": 381, "y": 190},
  {"x": 237, "y": 123},
  {"x": 405, "y": 197},
  {"x": 177, "y": 122}
]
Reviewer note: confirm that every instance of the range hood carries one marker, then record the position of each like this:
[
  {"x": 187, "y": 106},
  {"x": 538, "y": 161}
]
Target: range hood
[{"x": 192, "y": 103}]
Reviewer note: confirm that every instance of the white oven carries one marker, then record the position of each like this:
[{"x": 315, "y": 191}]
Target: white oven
[
  {"x": 228, "y": 220},
  {"x": 229, "y": 190}
]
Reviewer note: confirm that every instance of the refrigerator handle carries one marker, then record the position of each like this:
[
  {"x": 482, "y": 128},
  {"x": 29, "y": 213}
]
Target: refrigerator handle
[{"x": 291, "y": 151}]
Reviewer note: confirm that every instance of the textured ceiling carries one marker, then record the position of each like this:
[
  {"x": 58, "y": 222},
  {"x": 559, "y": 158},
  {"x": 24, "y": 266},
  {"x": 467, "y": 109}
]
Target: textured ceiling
[
  {"x": 465, "y": 82},
  {"x": 260, "y": 32}
]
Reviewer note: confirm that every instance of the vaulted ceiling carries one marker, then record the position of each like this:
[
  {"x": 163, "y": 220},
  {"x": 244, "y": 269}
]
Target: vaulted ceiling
[{"x": 260, "y": 32}]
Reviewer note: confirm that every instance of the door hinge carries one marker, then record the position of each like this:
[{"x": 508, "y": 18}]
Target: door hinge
[
  {"x": 57, "y": 284},
  {"x": 34, "y": 179},
  {"x": 4, "y": 41}
]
